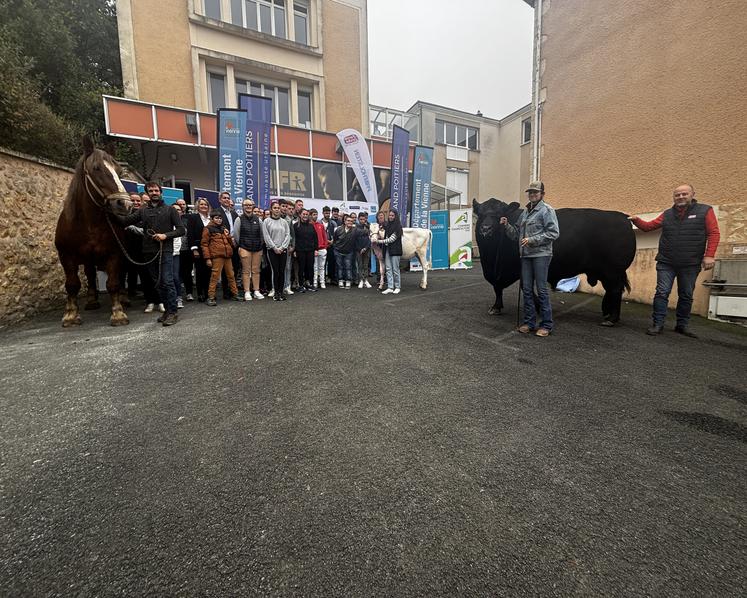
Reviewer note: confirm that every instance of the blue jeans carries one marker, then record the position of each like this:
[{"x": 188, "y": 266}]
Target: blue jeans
[
  {"x": 534, "y": 273},
  {"x": 391, "y": 262},
  {"x": 176, "y": 261},
  {"x": 344, "y": 266},
  {"x": 665, "y": 277},
  {"x": 163, "y": 279}
]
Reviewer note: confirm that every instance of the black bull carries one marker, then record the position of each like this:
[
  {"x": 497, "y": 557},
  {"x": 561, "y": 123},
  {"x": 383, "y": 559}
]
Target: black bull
[{"x": 598, "y": 243}]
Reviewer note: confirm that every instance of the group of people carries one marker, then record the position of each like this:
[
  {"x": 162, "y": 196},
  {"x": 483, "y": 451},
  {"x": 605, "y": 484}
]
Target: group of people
[
  {"x": 688, "y": 243},
  {"x": 179, "y": 256},
  {"x": 288, "y": 249}
]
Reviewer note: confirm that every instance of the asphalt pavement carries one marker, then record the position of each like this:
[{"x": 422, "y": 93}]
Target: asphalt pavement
[{"x": 351, "y": 444}]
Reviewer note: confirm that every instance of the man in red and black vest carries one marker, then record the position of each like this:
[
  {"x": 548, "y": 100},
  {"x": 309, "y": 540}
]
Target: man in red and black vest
[{"x": 688, "y": 243}]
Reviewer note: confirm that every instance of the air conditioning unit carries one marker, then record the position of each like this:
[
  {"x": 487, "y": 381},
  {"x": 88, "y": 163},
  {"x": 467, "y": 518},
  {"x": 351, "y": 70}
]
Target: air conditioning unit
[{"x": 728, "y": 290}]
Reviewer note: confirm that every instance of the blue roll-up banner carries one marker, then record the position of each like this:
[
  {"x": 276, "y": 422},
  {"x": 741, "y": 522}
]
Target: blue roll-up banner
[
  {"x": 231, "y": 154},
  {"x": 439, "y": 224},
  {"x": 258, "y": 130},
  {"x": 421, "y": 186},
  {"x": 400, "y": 165}
]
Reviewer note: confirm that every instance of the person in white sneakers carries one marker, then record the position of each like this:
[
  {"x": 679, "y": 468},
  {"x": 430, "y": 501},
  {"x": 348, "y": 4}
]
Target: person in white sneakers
[
  {"x": 392, "y": 243},
  {"x": 320, "y": 255},
  {"x": 344, "y": 244},
  {"x": 247, "y": 232},
  {"x": 363, "y": 250}
]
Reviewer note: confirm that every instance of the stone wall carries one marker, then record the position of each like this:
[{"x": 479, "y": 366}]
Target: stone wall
[{"x": 31, "y": 278}]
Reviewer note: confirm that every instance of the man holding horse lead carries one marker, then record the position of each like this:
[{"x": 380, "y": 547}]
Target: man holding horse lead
[{"x": 161, "y": 225}]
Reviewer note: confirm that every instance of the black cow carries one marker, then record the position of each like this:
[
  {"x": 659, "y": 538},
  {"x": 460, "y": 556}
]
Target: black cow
[{"x": 598, "y": 243}]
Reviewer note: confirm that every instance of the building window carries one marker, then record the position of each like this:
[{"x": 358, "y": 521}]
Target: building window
[
  {"x": 212, "y": 9},
  {"x": 217, "y": 97},
  {"x": 458, "y": 135},
  {"x": 279, "y": 96},
  {"x": 304, "y": 109},
  {"x": 458, "y": 180},
  {"x": 526, "y": 131},
  {"x": 301, "y": 21},
  {"x": 267, "y": 16},
  {"x": 237, "y": 17}
]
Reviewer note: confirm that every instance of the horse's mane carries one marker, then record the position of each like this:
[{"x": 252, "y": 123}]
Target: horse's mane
[{"x": 77, "y": 188}]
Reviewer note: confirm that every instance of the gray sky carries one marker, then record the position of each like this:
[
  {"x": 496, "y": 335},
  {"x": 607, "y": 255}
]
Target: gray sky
[{"x": 470, "y": 55}]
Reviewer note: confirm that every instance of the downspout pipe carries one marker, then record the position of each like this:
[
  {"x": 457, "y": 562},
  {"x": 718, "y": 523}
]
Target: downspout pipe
[{"x": 537, "y": 105}]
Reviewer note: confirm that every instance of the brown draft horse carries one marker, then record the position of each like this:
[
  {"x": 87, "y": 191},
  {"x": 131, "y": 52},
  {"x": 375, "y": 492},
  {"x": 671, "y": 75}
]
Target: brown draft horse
[{"x": 84, "y": 235}]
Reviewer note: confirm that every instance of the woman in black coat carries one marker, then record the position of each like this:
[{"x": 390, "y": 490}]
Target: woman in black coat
[{"x": 195, "y": 223}]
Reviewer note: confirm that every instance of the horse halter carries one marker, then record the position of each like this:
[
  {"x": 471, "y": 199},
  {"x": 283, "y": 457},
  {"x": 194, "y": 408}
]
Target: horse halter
[{"x": 111, "y": 196}]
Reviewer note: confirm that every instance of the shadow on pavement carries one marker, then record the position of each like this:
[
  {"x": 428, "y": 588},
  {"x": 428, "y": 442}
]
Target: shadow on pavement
[{"x": 712, "y": 424}]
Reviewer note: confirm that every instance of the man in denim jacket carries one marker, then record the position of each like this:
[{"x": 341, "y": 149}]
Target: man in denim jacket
[{"x": 536, "y": 230}]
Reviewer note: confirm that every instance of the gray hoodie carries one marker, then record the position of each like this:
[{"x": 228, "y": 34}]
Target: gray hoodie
[{"x": 276, "y": 233}]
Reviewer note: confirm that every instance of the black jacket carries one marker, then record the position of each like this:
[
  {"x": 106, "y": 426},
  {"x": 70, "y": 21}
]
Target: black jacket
[
  {"x": 156, "y": 219},
  {"x": 306, "y": 239},
  {"x": 232, "y": 216},
  {"x": 395, "y": 247},
  {"x": 345, "y": 240},
  {"x": 194, "y": 231},
  {"x": 363, "y": 240}
]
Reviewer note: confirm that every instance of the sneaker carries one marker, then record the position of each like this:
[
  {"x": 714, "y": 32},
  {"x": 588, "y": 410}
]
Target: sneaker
[
  {"x": 396, "y": 291},
  {"x": 300, "y": 290},
  {"x": 347, "y": 285},
  {"x": 288, "y": 291},
  {"x": 341, "y": 284},
  {"x": 542, "y": 332},
  {"x": 387, "y": 291},
  {"x": 161, "y": 308},
  {"x": 311, "y": 289},
  {"x": 211, "y": 302},
  {"x": 322, "y": 285},
  {"x": 366, "y": 284},
  {"x": 258, "y": 295},
  {"x": 282, "y": 298},
  {"x": 179, "y": 303},
  {"x": 190, "y": 297},
  {"x": 149, "y": 308},
  {"x": 360, "y": 284},
  {"x": 381, "y": 285},
  {"x": 236, "y": 297},
  {"x": 170, "y": 319},
  {"x": 247, "y": 296},
  {"x": 161, "y": 318},
  {"x": 525, "y": 329},
  {"x": 271, "y": 293}
]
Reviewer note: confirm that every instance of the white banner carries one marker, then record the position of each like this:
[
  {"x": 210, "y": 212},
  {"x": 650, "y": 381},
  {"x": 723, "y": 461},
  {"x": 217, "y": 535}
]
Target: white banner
[
  {"x": 356, "y": 150},
  {"x": 460, "y": 239}
]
